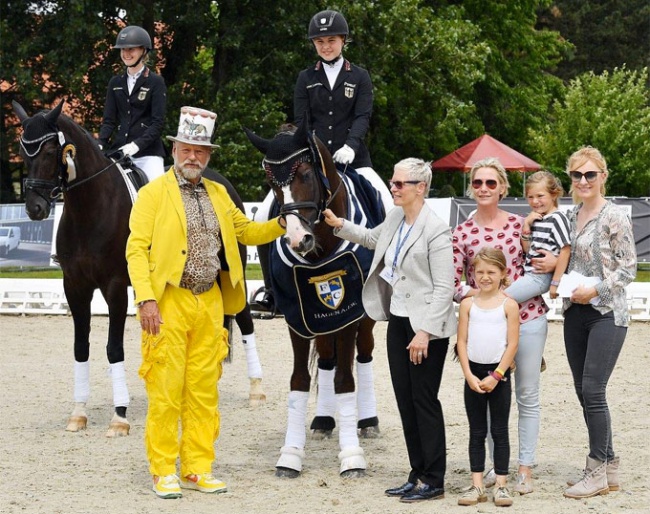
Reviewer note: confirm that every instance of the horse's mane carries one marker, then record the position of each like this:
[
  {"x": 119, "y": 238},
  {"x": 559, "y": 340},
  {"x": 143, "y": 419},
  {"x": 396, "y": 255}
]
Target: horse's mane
[{"x": 69, "y": 124}]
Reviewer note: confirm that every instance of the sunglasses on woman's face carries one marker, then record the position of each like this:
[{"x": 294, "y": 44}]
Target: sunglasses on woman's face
[
  {"x": 399, "y": 184},
  {"x": 590, "y": 176},
  {"x": 477, "y": 183}
]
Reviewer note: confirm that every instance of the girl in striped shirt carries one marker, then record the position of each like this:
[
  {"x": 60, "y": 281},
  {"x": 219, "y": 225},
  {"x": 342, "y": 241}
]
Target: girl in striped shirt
[{"x": 545, "y": 229}]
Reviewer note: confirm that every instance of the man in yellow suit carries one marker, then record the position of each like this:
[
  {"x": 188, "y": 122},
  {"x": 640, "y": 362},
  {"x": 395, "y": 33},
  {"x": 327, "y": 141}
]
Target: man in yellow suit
[{"x": 186, "y": 271}]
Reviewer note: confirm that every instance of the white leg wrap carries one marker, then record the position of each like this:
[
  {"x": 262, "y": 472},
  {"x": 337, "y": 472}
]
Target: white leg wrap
[
  {"x": 290, "y": 458},
  {"x": 347, "y": 410},
  {"x": 120, "y": 390},
  {"x": 81, "y": 381},
  {"x": 297, "y": 420},
  {"x": 366, "y": 400},
  {"x": 252, "y": 359},
  {"x": 326, "y": 399},
  {"x": 352, "y": 458}
]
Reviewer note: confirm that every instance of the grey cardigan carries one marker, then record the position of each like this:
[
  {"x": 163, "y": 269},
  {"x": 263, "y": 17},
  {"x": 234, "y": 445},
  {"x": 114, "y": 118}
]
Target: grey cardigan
[{"x": 427, "y": 266}]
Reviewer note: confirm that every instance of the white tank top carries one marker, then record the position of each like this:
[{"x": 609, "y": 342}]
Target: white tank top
[{"x": 487, "y": 336}]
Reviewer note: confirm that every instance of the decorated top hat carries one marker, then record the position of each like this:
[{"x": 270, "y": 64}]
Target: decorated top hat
[{"x": 195, "y": 127}]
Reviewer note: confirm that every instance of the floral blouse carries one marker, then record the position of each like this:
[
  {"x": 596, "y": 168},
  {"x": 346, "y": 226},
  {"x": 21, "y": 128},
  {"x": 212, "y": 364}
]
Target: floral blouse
[
  {"x": 605, "y": 248},
  {"x": 469, "y": 238}
]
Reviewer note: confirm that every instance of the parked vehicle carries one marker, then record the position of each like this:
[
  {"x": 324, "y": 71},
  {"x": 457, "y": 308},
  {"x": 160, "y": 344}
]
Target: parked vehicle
[{"x": 9, "y": 239}]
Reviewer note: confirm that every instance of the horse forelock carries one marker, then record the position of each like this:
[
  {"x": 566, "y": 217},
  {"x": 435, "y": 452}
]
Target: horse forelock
[{"x": 284, "y": 154}]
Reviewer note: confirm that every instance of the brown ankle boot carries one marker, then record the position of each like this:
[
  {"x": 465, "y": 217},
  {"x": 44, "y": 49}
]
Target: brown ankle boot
[
  {"x": 612, "y": 474},
  {"x": 593, "y": 483}
]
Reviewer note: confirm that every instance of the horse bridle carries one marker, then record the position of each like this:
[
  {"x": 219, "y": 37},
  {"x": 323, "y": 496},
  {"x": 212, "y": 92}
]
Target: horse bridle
[
  {"x": 304, "y": 155},
  {"x": 66, "y": 167}
]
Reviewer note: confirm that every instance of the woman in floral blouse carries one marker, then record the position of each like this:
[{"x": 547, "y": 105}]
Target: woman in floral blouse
[
  {"x": 596, "y": 318},
  {"x": 492, "y": 226}
]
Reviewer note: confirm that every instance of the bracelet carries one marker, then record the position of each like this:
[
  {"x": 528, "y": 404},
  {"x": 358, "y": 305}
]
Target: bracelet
[
  {"x": 495, "y": 376},
  {"x": 525, "y": 237},
  {"x": 500, "y": 372},
  {"x": 145, "y": 301},
  {"x": 555, "y": 283}
]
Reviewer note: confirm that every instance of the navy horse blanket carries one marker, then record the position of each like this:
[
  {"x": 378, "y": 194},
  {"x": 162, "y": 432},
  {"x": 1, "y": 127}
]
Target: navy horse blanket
[{"x": 323, "y": 297}]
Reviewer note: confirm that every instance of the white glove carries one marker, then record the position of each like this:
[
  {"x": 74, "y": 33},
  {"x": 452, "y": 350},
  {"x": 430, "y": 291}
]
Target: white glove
[
  {"x": 129, "y": 149},
  {"x": 344, "y": 155}
]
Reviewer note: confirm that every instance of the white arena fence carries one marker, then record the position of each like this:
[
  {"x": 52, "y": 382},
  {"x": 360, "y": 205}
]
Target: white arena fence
[{"x": 46, "y": 296}]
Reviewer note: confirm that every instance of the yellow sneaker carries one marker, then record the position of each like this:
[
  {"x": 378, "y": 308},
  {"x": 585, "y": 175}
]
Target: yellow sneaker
[
  {"x": 205, "y": 483},
  {"x": 167, "y": 487}
]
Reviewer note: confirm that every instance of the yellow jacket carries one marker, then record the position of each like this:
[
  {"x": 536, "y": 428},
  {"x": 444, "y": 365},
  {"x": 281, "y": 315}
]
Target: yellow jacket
[{"x": 156, "y": 250}]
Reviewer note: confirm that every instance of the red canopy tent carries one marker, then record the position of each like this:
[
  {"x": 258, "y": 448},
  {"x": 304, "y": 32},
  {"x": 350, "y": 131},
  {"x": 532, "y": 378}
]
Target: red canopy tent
[{"x": 485, "y": 146}]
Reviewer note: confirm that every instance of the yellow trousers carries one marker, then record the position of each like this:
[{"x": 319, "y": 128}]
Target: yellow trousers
[{"x": 181, "y": 367}]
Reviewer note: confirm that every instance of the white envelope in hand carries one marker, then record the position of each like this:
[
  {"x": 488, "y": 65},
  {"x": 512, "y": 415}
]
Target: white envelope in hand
[{"x": 571, "y": 281}]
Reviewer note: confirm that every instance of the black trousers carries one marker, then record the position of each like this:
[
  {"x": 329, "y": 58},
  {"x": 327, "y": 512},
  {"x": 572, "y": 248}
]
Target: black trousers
[
  {"x": 476, "y": 406},
  {"x": 416, "y": 391}
]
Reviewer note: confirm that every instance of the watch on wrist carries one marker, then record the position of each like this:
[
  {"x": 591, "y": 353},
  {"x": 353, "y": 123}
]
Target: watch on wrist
[{"x": 555, "y": 283}]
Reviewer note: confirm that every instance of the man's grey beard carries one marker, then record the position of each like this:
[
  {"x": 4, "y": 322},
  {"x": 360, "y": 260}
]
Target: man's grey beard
[{"x": 189, "y": 174}]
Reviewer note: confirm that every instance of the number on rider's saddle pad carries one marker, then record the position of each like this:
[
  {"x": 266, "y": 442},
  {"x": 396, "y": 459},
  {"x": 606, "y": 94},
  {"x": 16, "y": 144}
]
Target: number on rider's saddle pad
[{"x": 329, "y": 294}]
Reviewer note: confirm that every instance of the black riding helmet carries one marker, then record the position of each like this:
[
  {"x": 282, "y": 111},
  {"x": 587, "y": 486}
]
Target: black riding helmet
[
  {"x": 133, "y": 37},
  {"x": 328, "y": 23}
]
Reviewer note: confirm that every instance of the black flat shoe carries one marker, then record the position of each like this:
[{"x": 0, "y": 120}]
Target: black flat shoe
[
  {"x": 423, "y": 492},
  {"x": 401, "y": 490}
]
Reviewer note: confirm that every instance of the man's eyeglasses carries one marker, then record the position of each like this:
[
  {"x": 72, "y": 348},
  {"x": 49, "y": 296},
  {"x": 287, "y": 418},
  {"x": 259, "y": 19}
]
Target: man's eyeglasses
[
  {"x": 590, "y": 176},
  {"x": 477, "y": 183},
  {"x": 399, "y": 184}
]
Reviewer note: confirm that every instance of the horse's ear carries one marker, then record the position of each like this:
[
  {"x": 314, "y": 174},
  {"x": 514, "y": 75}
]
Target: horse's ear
[
  {"x": 53, "y": 115},
  {"x": 258, "y": 142},
  {"x": 20, "y": 111}
]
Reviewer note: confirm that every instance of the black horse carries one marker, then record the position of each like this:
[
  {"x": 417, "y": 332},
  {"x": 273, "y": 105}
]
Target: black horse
[
  {"x": 62, "y": 158},
  {"x": 317, "y": 281}
]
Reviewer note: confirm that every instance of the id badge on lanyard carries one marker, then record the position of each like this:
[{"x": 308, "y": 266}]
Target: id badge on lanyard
[{"x": 388, "y": 274}]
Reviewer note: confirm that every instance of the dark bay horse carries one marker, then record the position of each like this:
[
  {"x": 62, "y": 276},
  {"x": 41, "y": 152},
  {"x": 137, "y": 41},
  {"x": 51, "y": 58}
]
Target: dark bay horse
[
  {"x": 62, "y": 158},
  {"x": 317, "y": 281}
]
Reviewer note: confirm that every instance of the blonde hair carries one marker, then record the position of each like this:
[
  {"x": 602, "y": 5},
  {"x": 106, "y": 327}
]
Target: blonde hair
[
  {"x": 579, "y": 158},
  {"x": 549, "y": 181},
  {"x": 494, "y": 257},
  {"x": 416, "y": 169},
  {"x": 490, "y": 162}
]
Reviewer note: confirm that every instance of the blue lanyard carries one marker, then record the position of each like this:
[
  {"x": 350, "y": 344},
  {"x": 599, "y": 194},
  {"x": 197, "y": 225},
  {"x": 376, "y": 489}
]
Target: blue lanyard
[{"x": 400, "y": 243}]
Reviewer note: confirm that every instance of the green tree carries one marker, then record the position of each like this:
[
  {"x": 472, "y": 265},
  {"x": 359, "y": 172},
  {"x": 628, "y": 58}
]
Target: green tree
[
  {"x": 611, "y": 112},
  {"x": 605, "y": 34}
]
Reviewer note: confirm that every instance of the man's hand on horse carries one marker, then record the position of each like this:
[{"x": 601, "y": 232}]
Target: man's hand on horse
[
  {"x": 150, "y": 319},
  {"x": 344, "y": 155},
  {"x": 331, "y": 219},
  {"x": 129, "y": 149}
]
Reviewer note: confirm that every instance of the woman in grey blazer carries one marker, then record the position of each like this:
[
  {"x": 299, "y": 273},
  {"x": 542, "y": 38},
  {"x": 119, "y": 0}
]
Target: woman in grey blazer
[{"x": 411, "y": 284}]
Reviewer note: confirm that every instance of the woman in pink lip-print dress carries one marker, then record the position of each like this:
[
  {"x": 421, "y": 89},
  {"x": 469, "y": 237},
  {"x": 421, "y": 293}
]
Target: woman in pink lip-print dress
[{"x": 492, "y": 226}]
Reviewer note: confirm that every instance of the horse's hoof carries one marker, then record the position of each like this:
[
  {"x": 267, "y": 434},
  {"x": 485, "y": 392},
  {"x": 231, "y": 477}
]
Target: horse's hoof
[
  {"x": 286, "y": 473},
  {"x": 118, "y": 427},
  {"x": 369, "y": 432},
  {"x": 354, "y": 473},
  {"x": 320, "y": 434},
  {"x": 353, "y": 462},
  {"x": 256, "y": 395},
  {"x": 76, "y": 423}
]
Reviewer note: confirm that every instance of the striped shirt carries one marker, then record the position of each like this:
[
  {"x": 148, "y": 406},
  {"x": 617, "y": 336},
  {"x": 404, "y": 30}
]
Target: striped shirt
[{"x": 551, "y": 233}]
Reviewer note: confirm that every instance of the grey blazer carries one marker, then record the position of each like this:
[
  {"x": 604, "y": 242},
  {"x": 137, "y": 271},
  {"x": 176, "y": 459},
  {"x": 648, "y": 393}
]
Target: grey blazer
[{"x": 427, "y": 265}]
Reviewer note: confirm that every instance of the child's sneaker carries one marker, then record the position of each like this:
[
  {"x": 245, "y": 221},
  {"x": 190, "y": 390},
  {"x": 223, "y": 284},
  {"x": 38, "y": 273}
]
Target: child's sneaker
[
  {"x": 472, "y": 496},
  {"x": 205, "y": 483},
  {"x": 167, "y": 487},
  {"x": 502, "y": 496}
]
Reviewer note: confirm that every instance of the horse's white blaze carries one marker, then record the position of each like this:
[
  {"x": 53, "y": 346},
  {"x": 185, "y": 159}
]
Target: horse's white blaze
[{"x": 295, "y": 231}]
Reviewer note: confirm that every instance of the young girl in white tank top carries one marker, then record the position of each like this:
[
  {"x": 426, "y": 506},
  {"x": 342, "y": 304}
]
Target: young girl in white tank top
[{"x": 488, "y": 334}]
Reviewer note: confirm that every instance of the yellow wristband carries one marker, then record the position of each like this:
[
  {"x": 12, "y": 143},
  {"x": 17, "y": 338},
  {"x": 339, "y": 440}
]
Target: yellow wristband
[{"x": 500, "y": 372}]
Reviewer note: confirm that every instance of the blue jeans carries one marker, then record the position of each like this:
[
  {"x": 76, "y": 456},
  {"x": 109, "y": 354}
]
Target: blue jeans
[
  {"x": 528, "y": 286},
  {"x": 532, "y": 338},
  {"x": 593, "y": 343}
]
